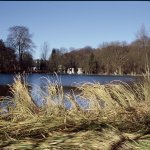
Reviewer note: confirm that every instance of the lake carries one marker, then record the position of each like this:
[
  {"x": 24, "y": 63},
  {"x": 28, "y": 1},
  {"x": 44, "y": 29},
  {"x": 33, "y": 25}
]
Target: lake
[
  {"x": 37, "y": 81},
  {"x": 67, "y": 81}
]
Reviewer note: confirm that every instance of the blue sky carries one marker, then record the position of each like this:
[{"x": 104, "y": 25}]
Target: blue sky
[{"x": 75, "y": 23}]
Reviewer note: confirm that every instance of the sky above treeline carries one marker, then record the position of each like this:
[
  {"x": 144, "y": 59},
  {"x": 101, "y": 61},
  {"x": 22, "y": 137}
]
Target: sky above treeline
[{"x": 75, "y": 23}]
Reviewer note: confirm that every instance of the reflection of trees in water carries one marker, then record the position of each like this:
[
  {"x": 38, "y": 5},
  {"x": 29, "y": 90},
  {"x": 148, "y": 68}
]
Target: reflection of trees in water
[
  {"x": 5, "y": 90},
  {"x": 40, "y": 96}
]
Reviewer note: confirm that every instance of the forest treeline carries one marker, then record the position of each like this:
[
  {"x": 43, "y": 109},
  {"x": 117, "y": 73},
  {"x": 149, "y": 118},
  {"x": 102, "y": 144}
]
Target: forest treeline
[{"x": 109, "y": 58}]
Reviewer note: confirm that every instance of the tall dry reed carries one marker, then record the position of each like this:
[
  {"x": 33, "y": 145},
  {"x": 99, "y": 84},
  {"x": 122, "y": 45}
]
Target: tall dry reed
[{"x": 121, "y": 105}]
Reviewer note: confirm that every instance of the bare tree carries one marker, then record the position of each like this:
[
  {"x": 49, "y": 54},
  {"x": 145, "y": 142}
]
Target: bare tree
[
  {"x": 45, "y": 51},
  {"x": 19, "y": 38},
  {"x": 143, "y": 43},
  {"x": 143, "y": 38},
  {"x": 63, "y": 50},
  {"x": 44, "y": 56}
]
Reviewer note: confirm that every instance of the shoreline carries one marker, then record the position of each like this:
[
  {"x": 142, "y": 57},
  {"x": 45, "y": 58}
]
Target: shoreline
[{"x": 26, "y": 73}]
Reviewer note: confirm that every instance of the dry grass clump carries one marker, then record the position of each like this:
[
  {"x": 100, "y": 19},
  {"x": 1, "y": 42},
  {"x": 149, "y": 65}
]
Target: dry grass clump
[
  {"x": 123, "y": 105},
  {"x": 26, "y": 119},
  {"x": 117, "y": 105},
  {"x": 54, "y": 98},
  {"x": 24, "y": 106}
]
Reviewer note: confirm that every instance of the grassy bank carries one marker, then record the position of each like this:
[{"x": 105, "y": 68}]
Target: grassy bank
[{"x": 117, "y": 117}]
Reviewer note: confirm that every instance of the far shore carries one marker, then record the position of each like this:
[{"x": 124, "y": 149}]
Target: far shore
[{"x": 45, "y": 72}]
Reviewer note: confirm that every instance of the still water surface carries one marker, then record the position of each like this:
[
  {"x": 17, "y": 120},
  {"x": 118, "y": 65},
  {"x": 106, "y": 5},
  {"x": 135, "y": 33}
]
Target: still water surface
[
  {"x": 66, "y": 80},
  {"x": 38, "y": 81}
]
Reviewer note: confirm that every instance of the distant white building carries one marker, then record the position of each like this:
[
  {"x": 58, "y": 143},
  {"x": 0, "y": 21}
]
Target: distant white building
[
  {"x": 70, "y": 71},
  {"x": 79, "y": 71}
]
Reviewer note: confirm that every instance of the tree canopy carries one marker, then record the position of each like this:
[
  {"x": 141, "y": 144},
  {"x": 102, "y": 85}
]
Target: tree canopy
[
  {"x": 109, "y": 58},
  {"x": 20, "y": 39}
]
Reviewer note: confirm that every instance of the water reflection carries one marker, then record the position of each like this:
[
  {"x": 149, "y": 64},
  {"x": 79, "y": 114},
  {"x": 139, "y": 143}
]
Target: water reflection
[
  {"x": 5, "y": 90},
  {"x": 65, "y": 80},
  {"x": 39, "y": 83},
  {"x": 42, "y": 96}
]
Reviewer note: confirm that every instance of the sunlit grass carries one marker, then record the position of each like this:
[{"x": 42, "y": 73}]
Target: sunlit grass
[
  {"x": 113, "y": 109},
  {"x": 121, "y": 104}
]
